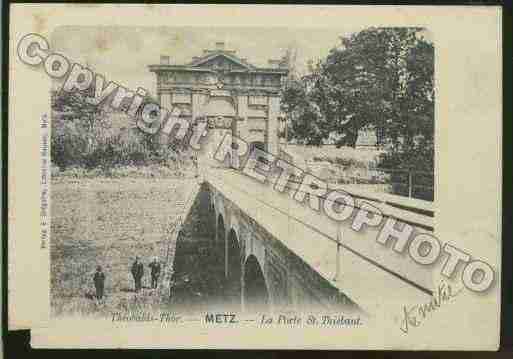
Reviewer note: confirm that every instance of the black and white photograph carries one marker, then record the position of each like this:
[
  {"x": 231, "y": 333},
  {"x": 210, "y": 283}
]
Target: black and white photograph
[
  {"x": 242, "y": 177},
  {"x": 137, "y": 225}
]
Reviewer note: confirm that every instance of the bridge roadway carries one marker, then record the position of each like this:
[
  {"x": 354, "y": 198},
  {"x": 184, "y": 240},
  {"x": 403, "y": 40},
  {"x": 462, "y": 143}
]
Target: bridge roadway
[{"x": 372, "y": 275}]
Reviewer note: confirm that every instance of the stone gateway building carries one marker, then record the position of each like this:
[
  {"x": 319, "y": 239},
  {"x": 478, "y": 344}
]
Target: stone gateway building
[{"x": 228, "y": 92}]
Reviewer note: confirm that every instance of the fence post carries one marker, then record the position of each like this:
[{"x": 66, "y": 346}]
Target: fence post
[
  {"x": 337, "y": 263},
  {"x": 286, "y": 134},
  {"x": 410, "y": 184}
]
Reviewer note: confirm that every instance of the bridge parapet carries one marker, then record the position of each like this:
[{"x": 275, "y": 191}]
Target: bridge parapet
[
  {"x": 408, "y": 210},
  {"x": 355, "y": 265}
]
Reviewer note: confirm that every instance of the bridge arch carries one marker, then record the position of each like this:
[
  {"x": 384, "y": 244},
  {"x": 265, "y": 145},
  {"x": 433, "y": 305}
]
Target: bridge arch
[
  {"x": 234, "y": 224},
  {"x": 219, "y": 205},
  {"x": 212, "y": 200},
  {"x": 256, "y": 295}
]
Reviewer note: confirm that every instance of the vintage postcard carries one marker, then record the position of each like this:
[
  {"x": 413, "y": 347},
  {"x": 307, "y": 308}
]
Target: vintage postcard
[{"x": 255, "y": 176}]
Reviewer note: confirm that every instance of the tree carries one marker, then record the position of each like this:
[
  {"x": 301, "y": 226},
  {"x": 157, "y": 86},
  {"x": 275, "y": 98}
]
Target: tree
[
  {"x": 75, "y": 126},
  {"x": 83, "y": 135},
  {"x": 304, "y": 115},
  {"x": 73, "y": 106},
  {"x": 374, "y": 80},
  {"x": 379, "y": 79},
  {"x": 412, "y": 149}
]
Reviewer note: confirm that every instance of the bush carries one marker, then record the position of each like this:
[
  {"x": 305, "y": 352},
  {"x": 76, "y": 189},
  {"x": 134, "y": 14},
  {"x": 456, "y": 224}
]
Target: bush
[
  {"x": 71, "y": 148},
  {"x": 341, "y": 161},
  {"x": 68, "y": 149}
]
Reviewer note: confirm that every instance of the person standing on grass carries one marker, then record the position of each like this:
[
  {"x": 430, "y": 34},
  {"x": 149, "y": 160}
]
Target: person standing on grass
[
  {"x": 196, "y": 167},
  {"x": 137, "y": 273},
  {"x": 155, "y": 272},
  {"x": 99, "y": 282}
]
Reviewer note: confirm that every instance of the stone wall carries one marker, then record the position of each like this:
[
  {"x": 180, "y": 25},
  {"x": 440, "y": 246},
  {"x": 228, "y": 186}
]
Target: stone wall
[{"x": 292, "y": 284}]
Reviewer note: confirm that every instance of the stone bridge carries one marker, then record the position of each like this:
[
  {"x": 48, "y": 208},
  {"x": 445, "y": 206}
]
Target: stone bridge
[{"x": 280, "y": 255}]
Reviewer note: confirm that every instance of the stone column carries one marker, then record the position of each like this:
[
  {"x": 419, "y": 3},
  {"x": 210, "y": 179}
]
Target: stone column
[
  {"x": 206, "y": 154},
  {"x": 235, "y": 134},
  {"x": 242, "y": 106},
  {"x": 273, "y": 111},
  {"x": 242, "y": 112},
  {"x": 196, "y": 104},
  {"x": 165, "y": 100}
]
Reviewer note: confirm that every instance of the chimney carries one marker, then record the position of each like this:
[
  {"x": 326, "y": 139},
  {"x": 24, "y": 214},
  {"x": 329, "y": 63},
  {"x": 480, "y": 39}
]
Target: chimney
[
  {"x": 220, "y": 46},
  {"x": 164, "y": 60}
]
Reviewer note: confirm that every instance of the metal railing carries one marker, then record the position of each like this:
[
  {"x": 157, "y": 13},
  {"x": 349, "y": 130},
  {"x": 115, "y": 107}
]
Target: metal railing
[
  {"x": 410, "y": 184},
  {"x": 404, "y": 182}
]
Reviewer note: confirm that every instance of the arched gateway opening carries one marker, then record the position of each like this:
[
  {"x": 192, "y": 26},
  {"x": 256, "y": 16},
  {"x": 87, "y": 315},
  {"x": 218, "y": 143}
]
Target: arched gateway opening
[
  {"x": 252, "y": 159},
  {"x": 256, "y": 297},
  {"x": 257, "y": 144}
]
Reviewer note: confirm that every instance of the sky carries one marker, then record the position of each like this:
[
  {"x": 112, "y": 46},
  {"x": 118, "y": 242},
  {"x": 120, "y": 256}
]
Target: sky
[{"x": 122, "y": 54}]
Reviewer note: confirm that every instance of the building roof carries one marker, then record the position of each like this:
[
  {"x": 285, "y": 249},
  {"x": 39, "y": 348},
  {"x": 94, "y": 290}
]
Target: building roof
[{"x": 206, "y": 63}]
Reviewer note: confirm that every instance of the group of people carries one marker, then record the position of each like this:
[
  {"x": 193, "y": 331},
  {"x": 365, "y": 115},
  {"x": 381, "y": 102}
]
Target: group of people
[{"x": 137, "y": 271}]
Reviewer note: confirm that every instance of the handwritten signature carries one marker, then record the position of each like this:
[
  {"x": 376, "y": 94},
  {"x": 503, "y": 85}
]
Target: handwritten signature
[{"x": 413, "y": 316}]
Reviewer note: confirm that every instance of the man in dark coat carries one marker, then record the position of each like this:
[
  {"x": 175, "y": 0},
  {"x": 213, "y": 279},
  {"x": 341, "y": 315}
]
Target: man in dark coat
[
  {"x": 155, "y": 272},
  {"x": 196, "y": 167},
  {"x": 137, "y": 273},
  {"x": 99, "y": 282}
]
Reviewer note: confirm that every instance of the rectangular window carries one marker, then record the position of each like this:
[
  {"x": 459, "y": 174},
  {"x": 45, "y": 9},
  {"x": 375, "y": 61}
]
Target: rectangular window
[{"x": 258, "y": 100}]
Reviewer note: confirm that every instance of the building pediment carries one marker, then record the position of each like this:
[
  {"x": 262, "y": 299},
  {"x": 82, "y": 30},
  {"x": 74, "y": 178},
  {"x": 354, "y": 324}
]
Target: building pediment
[{"x": 221, "y": 61}]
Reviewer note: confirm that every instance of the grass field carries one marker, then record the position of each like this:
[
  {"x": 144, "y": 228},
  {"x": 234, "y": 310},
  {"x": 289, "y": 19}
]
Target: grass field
[{"x": 107, "y": 222}]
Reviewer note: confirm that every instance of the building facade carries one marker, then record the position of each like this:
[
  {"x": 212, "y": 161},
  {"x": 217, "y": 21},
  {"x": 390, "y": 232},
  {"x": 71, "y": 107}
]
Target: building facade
[{"x": 228, "y": 92}]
